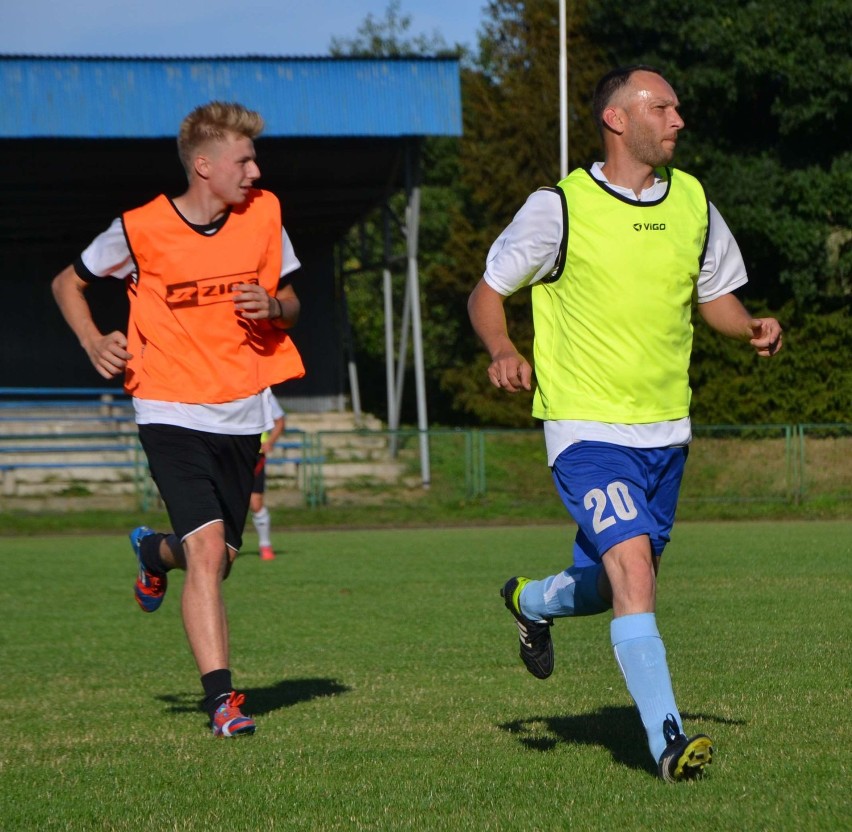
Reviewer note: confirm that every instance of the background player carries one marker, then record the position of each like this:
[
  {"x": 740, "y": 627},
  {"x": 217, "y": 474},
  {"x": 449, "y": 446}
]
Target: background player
[{"x": 259, "y": 512}]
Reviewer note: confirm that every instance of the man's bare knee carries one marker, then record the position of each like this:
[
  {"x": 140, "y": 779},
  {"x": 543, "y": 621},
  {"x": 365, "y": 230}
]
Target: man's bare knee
[{"x": 630, "y": 570}]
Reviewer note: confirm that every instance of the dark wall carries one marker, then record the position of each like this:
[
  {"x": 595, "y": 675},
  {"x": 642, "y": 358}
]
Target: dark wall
[
  {"x": 57, "y": 196},
  {"x": 318, "y": 333},
  {"x": 37, "y": 349}
]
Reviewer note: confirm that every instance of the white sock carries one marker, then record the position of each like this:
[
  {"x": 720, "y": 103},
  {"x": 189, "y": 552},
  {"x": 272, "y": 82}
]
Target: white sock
[{"x": 261, "y": 525}]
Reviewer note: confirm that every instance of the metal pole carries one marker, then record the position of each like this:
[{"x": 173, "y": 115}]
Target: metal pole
[
  {"x": 393, "y": 412},
  {"x": 402, "y": 352},
  {"x": 413, "y": 226},
  {"x": 469, "y": 475},
  {"x": 354, "y": 387},
  {"x": 482, "y": 472},
  {"x": 563, "y": 91}
]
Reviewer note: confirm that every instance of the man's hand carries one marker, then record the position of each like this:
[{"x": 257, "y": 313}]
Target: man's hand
[
  {"x": 108, "y": 353},
  {"x": 766, "y": 336},
  {"x": 252, "y": 301},
  {"x": 727, "y": 315},
  {"x": 511, "y": 372},
  {"x": 281, "y": 310}
]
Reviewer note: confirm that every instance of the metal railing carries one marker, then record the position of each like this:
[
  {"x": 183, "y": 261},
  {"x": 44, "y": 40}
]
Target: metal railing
[
  {"x": 727, "y": 463},
  {"x": 777, "y": 463}
]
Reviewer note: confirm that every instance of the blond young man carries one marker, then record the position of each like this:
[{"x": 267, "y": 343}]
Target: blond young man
[{"x": 207, "y": 281}]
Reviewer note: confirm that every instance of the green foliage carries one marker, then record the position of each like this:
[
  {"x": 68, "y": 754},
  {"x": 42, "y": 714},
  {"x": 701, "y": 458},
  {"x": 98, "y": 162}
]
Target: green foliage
[
  {"x": 766, "y": 93},
  {"x": 795, "y": 230},
  {"x": 364, "y": 248},
  {"x": 389, "y": 37},
  {"x": 510, "y": 147},
  {"x": 765, "y": 89},
  {"x": 511, "y": 100},
  {"x": 810, "y": 380},
  {"x": 363, "y": 262}
]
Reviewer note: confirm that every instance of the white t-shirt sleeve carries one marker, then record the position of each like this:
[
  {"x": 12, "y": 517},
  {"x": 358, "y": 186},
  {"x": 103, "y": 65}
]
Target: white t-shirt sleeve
[
  {"x": 108, "y": 255},
  {"x": 289, "y": 261},
  {"x": 723, "y": 269},
  {"x": 527, "y": 249},
  {"x": 274, "y": 406}
]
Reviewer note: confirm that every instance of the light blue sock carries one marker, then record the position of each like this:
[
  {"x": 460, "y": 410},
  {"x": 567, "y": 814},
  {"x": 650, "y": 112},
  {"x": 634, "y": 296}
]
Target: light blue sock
[
  {"x": 641, "y": 655},
  {"x": 572, "y": 592}
]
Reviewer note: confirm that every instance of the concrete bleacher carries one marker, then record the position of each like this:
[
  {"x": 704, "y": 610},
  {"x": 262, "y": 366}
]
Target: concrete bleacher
[
  {"x": 56, "y": 441},
  {"x": 53, "y": 440},
  {"x": 84, "y": 442}
]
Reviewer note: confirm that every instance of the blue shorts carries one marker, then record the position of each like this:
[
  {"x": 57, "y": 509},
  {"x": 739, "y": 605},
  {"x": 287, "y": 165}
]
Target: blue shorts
[{"x": 615, "y": 493}]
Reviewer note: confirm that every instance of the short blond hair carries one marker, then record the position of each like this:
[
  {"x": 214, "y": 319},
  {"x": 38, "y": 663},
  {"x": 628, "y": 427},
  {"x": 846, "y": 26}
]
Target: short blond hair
[{"x": 213, "y": 122}]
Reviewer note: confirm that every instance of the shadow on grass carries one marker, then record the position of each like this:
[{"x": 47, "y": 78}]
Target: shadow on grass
[
  {"x": 283, "y": 694},
  {"x": 619, "y": 730}
]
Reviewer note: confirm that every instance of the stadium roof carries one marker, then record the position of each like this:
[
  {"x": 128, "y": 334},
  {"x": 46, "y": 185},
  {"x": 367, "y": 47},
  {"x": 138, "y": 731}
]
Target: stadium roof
[
  {"x": 99, "y": 98},
  {"x": 84, "y": 138}
]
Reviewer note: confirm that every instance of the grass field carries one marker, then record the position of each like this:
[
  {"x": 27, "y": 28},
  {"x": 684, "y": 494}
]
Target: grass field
[{"x": 383, "y": 672}]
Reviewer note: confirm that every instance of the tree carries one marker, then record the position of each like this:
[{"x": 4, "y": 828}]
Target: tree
[
  {"x": 765, "y": 88},
  {"x": 510, "y": 147},
  {"x": 363, "y": 247},
  {"x": 389, "y": 37}
]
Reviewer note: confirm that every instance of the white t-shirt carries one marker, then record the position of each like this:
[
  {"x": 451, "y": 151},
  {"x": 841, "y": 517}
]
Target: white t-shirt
[
  {"x": 526, "y": 251},
  {"x": 109, "y": 256},
  {"x": 274, "y": 406}
]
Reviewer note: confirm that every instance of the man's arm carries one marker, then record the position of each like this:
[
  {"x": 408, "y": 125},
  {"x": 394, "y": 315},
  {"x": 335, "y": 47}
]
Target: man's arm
[
  {"x": 289, "y": 307},
  {"x": 727, "y": 315},
  {"x": 509, "y": 369},
  {"x": 107, "y": 353},
  {"x": 277, "y": 430}
]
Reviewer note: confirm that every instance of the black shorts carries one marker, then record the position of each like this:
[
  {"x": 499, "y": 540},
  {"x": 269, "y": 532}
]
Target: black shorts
[
  {"x": 202, "y": 477},
  {"x": 259, "y": 475}
]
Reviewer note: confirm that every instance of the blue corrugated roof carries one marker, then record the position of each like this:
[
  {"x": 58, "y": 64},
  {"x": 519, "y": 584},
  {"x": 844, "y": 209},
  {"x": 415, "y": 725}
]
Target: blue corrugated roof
[{"x": 147, "y": 97}]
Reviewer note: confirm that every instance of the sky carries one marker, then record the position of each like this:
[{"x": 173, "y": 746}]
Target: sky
[{"x": 224, "y": 28}]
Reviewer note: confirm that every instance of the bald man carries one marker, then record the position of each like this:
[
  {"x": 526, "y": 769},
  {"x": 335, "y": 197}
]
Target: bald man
[{"x": 614, "y": 256}]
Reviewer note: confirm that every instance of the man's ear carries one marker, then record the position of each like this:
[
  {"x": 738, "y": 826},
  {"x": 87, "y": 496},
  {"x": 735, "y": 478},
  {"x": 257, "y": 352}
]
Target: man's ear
[
  {"x": 613, "y": 119},
  {"x": 201, "y": 166}
]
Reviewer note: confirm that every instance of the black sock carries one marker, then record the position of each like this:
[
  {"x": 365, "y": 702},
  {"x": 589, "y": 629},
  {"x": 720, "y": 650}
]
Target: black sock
[
  {"x": 176, "y": 547},
  {"x": 149, "y": 551},
  {"x": 217, "y": 686}
]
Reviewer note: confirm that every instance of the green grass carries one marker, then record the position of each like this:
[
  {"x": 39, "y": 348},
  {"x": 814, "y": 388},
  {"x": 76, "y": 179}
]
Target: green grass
[
  {"x": 383, "y": 673},
  {"x": 414, "y": 510}
]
